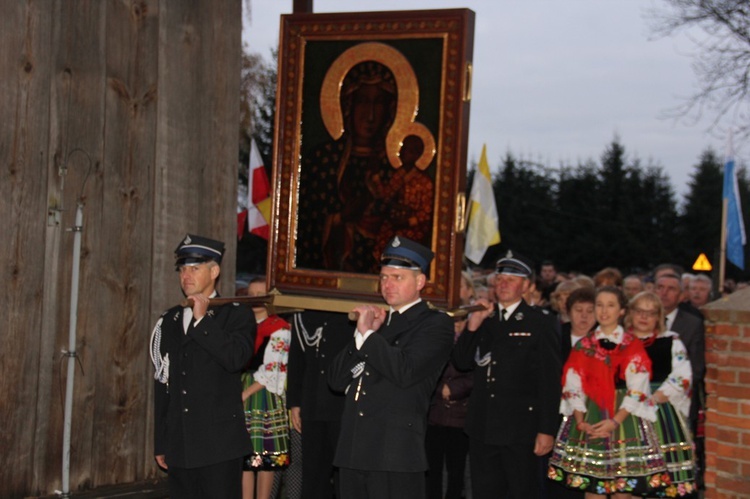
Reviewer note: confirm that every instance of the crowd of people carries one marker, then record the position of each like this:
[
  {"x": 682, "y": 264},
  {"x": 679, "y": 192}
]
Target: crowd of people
[{"x": 556, "y": 386}]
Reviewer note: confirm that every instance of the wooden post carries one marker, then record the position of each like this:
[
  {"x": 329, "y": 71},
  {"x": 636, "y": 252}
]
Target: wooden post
[{"x": 302, "y": 7}]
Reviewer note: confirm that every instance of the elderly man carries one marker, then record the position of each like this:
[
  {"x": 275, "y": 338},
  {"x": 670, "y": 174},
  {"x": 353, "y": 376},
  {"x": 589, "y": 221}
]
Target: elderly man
[
  {"x": 514, "y": 351},
  {"x": 389, "y": 371},
  {"x": 692, "y": 333},
  {"x": 688, "y": 326},
  {"x": 199, "y": 352},
  {"x": 699, "y": 290}
]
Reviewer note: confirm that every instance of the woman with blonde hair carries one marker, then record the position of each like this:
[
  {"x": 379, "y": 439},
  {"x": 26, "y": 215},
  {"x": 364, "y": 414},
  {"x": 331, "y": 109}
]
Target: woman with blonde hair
[{"x": 670, "y": 387}]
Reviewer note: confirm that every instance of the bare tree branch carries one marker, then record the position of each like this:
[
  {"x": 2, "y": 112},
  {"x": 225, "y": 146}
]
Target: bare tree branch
[{"x": 720, "y": 32}]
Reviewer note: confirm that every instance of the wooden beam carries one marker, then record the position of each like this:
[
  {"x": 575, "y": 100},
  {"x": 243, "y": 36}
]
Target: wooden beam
[{"x": 302, "y": 6}]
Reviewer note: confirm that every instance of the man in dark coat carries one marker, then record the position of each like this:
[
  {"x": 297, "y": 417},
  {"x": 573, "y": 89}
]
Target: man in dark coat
[
  {"x": 198, "y": 352},
  {"x": 317, "y": 337},
  {"x": 389, "y": 371},
  {"x": 513, "y": 409},
  {"x": 693, "y": 334}
]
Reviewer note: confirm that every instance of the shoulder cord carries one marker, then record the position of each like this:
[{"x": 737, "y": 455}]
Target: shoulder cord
[
  {"x": 161, "y": 364},
  {"x": 303, "y": 336},
  {"x": 484, "y": 360}
]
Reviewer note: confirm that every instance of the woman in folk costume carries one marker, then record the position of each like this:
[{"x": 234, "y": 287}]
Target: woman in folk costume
[
  {"x": 671, "y": 388},
  {"x": 607, "y": 445},
  {"x": 264, "y": 393}
]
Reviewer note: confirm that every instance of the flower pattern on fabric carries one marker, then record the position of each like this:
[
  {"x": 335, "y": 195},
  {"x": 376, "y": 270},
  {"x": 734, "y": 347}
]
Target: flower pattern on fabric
[
  {"x": 272, "y": 373},
  {"x": 613, "y": 486},
  {"x": 678, "y": 387},
  {"x": 268, "y": 461}
]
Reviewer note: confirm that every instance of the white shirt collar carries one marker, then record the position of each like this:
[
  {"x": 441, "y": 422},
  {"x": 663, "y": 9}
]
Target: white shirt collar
[
  {"x": 510, "y": 308},
  {"x": 615, "y": 337},
  {"x": 406, "y": 307},
  {"x": 671, "y": 317}
]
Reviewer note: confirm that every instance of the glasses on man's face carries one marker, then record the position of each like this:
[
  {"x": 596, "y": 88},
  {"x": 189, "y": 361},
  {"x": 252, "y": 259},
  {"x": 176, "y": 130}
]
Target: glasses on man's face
[{"x": 645, "y": 313}]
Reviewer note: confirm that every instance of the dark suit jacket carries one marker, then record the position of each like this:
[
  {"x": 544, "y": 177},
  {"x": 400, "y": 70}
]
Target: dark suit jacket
[
  {"x": 307, "y": 380},
  {"x": 693, "y": 335},
  {"x": 565, "y": 346},
  {"x": 199, "y": 419},
  {"x": 383, "y": 427},
  {"x": 520, "y": 395}
]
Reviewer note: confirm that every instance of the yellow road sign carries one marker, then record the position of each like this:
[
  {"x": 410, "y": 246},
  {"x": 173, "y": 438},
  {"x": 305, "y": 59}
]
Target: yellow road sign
[{"x": 702, "y": 263}]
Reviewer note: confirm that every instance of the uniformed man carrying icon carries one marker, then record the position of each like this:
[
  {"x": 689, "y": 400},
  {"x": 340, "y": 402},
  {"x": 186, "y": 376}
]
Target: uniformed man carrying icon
[
  {"x": 198, "y": 352},
  {"x": 389, "y": 371}
]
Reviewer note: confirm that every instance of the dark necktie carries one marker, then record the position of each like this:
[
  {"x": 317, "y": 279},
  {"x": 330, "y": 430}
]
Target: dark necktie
[
  {"x": 392, "y": 317},
  {"x": 503, "y": 315},
  {"x": 187, "y": 318}
]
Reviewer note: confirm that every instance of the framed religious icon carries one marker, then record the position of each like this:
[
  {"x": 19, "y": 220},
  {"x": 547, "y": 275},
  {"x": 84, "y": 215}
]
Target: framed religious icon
[{"x": 371, "y": 135}]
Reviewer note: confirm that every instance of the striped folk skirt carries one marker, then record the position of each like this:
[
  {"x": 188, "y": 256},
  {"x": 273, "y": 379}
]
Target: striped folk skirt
[
  {"x": 630, "y": 461},
  {"x": 677, "y": 447},
  {"x": 267, "y": 423}
]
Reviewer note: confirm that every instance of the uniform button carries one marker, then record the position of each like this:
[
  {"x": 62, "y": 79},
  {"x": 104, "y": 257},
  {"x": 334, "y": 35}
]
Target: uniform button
[
  {"x": 361, "y": 413},
  {"x": 322, "y": 371},
  {"x": 366, "y": 356},
  {"x": 494, "y": 362},
  {"x": 349, "y": 352},
  {"x": 185, "y": 409},
  {"x": 492, "y": 395},
  {"x": 184, "y": 354},
  {"x": 409, "y": 425},
  {"x": 183, "y": 373},
  {"x": 367, "y": 373},
  {"x": 531, "y": 408},
  {"x": 396, "y": 342},
  {"x": 205, "y": 333},
  {"x": 184, "y": 392},
  {"x": 493, "y": 379},
  {"x": 364, "y": 393},
  {"x": 322, "y": 355}
]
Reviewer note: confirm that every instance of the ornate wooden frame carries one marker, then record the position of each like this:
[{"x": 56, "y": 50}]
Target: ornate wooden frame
[{"x": 427, "y": 51}]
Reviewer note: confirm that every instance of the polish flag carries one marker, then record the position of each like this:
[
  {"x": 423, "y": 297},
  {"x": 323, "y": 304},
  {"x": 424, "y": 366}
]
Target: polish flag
[{"x": 259, "y": 195}]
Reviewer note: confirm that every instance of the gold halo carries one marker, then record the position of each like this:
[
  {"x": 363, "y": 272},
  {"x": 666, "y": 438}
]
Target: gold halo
[{"x": 406, "y": 108}]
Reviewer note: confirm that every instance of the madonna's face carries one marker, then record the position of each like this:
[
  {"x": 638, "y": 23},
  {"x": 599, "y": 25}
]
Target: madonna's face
[{"x": 370, "y": 112}]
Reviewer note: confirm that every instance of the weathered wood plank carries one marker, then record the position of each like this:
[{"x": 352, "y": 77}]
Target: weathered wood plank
[
  {"x": 195, "y": 161},
  {"x": 125, "y": 222},
  {"x": 25, "y": 65}
]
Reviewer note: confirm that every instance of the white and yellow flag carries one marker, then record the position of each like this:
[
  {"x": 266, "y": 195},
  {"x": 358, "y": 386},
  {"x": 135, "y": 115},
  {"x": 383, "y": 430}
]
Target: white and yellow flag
[{"x": 483, "y": 230}]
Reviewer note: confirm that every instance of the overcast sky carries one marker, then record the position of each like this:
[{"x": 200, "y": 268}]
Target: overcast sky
[{"x": 555, "y": 81}]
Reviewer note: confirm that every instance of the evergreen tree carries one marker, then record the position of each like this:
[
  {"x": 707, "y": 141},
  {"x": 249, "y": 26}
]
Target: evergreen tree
[
  {"x": 744, "y": 188},
  {"x": 525, "y": 195},
  {"x": 700, "y": 223},
  {"x": 654, "y": 216},
  {"x": 612, "y": 230},
  {"x": 577, "y": 188}
]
